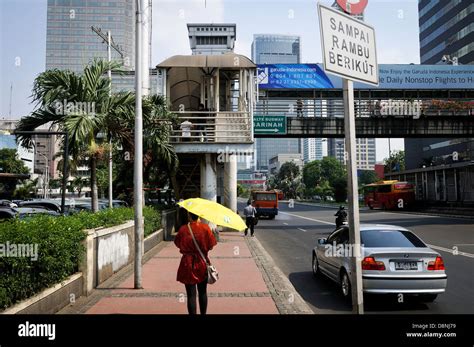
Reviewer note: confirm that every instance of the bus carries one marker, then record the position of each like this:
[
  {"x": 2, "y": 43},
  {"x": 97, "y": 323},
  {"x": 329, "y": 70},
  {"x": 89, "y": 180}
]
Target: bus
[
  {"x": 389, "y": 195},
  {"x": 266, "y": 203}
]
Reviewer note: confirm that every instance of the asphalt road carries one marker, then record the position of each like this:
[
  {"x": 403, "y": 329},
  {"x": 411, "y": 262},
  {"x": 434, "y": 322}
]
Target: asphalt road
[{"x": 291, "y": 236}]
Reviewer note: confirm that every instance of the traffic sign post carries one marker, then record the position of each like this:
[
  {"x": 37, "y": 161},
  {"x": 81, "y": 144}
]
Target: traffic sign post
[
  {"x": 274, "y": 125},
  {"x": 349, "y": 51}
]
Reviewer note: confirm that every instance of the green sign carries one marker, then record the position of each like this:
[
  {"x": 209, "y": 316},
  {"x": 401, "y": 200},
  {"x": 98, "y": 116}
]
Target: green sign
[{"x": 275, "y": 125}]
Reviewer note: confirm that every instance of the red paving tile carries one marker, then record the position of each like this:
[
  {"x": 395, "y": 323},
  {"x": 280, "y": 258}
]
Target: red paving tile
[
  {"x": 222, "y": 305},
  {"x": 238, "y": 274}
]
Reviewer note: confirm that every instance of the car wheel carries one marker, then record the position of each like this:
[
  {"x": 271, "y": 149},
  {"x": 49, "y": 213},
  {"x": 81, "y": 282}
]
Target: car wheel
[
  {"x": 371, "y": 206},
  {"x": 346, "y": 286},
  {"x": 271, "y": 217},
  {"x": 428, "y": 297},
  {"x": 315, "y": 266}
]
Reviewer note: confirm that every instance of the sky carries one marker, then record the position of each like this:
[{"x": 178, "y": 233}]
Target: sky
[{"x": 23, "y": 37}]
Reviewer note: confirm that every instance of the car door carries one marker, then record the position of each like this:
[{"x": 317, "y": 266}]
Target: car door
[
  {"x": 328, "y": 263},
  {"x": 341, "y": 255}
]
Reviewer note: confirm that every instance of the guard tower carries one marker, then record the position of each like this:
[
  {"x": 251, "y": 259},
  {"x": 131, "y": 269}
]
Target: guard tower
[{"x": 213, "y": 97}]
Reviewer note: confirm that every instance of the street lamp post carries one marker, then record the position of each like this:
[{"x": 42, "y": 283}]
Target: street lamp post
[
  {"x": 138, "y": 156},
  {"x": 110, "y": 44}
]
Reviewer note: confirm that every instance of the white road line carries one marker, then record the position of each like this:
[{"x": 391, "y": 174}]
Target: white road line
[
  {"x": 285, "y": 223},
  {"x": 469, "y": 255},
  {"x": 449, "y": 250},
  {"x": 314, "y": 220},
  {"x": 301, "y": 229}
]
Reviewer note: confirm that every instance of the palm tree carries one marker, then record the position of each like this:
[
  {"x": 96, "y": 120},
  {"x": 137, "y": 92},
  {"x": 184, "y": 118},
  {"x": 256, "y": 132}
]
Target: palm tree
[
  {"x": 109, "y": 116},
  {"x": 82, "y": 106}
]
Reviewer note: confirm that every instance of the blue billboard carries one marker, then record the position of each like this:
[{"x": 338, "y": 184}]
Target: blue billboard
[
  {"x": 391, "y": 76},
  {"x": 291, "y": 76}
]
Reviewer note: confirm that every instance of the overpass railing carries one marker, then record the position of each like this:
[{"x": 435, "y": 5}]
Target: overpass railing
[
  {"x": 212, "y": 127},
  {"x": 365, "y": 108}
]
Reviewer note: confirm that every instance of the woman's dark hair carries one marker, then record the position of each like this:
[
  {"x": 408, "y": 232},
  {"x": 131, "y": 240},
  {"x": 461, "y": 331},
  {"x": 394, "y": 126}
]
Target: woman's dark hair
[{"x": 193, "y": 216}]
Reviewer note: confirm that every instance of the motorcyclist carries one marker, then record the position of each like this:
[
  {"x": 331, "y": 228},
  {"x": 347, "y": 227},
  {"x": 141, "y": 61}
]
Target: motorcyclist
[{"x": 341, "y": 216}]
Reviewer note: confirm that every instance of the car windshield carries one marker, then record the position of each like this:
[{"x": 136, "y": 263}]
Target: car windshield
[{"x": 390, "y": 238}]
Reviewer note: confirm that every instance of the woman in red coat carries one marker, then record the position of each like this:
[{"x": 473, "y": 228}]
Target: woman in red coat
[{"x": 192, "y": 271}]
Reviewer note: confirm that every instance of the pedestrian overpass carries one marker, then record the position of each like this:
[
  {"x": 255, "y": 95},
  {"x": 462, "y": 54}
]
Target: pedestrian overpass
[
  {"x": 410, "y": 101},
  {"x": 216, "y": 100}
]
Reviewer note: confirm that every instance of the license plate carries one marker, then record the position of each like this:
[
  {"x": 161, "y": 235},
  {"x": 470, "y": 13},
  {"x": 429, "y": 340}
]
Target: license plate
[{"x": 406, "y": 265}]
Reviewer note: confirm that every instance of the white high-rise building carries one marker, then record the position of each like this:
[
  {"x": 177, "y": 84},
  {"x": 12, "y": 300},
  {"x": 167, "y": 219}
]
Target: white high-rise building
[{"x": 211, "y": 39}]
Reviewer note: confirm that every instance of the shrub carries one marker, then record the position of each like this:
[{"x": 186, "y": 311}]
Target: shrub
[{"x": 59, "y": 247}]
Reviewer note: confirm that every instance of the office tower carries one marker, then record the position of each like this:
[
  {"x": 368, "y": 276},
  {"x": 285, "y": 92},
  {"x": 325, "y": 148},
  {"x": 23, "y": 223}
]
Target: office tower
[
  {"x": 70, "y": 42},
  {"x": 275, "y": 49},
  {"x": 442, "y": 167},
  {"x": 365, "y": 152},
  {"x": 446, "y": 29},
  {"x": 211, "y": 39}
]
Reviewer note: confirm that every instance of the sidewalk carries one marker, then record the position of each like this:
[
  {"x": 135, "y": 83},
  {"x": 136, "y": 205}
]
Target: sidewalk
[{"x": 249, "y": 283}]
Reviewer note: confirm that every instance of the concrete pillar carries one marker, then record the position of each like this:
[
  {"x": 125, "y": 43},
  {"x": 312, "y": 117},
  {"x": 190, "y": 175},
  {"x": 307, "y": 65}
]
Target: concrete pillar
[
  {"x": 230, "y": 183},
  {"x": 208, "y": 177}
]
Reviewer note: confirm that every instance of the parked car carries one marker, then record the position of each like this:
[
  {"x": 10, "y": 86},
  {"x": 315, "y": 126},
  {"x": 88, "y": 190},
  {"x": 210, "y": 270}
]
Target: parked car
[
  {"x": 24, "y": 212},
  {"x": 115, "y": 203},
  {"x": 394, "y": 260},
  {"x": 51, "y": 205},
  {"x": 7, "y": 203}
]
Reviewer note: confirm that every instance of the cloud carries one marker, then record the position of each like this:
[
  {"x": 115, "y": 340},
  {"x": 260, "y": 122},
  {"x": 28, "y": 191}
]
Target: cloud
[{"x": 169, "y": 24}]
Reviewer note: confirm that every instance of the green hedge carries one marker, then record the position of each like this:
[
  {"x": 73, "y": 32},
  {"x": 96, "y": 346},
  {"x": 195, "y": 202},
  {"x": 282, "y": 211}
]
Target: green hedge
[{"x": 59, "y": 248}]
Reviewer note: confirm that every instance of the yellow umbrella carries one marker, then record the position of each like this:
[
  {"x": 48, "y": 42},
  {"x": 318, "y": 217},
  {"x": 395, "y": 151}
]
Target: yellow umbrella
[{"x": 214, "y": 212}]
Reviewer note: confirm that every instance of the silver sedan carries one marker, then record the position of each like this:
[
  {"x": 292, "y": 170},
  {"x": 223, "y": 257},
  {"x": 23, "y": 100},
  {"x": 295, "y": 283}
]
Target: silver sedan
[{"x": 394, "y": 260}]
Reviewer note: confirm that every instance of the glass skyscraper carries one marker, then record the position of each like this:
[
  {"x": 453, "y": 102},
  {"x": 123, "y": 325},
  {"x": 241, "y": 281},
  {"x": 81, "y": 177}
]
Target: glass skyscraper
[
  {"x": 446, "y": 28},
  {"x": 70, "y": 42},
  {"x": 275, "y": 49}
]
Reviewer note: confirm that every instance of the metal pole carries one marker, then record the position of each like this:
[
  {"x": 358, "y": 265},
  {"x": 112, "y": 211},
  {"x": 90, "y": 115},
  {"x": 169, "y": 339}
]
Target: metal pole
[
  {"x": 109, "y": 56},
  {"x": 65, "y": 172},
  {"x": 353, "y": 198},
  {"x": 138, "y": 158}
]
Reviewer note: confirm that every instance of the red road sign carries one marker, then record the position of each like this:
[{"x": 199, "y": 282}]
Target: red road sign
[{"x": 353, "y": 6}]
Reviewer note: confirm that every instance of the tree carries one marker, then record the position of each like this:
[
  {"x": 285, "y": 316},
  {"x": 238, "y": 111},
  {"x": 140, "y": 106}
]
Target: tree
[
  {"x": 26, "y": 190},
  {"x": 340, "y": 189},
  {"x": 82, "y": 106},
  {"x": 395, "y": 162},
  {"x": 323, "y": 173},
  {"x": 288, "y": 171},
  {"x": 77, "y": 184},
  {"x": 367, "y": 177},
  {"x": 323, "y": 189},
  {"x": 312, "y": 175},
  {"x": 9, "y": 163}
]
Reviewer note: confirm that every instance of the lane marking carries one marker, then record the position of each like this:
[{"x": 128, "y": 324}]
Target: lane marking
[
  {"x": 449, "y": 250},
  {"x": 285, "y": 223},
  {"x": 312, "y": 219},
  {"x": 301, "y": 229}
]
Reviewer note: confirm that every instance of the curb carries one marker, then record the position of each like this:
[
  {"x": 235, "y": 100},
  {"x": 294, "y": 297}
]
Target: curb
[{"x": 285, "y": 296}]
